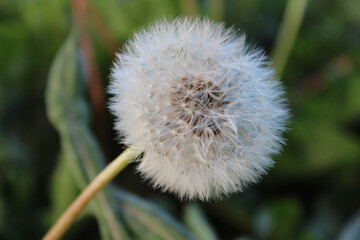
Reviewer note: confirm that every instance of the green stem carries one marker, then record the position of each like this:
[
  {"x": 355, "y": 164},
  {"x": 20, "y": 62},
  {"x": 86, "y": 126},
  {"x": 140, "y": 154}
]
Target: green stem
[
  {"x": 189, "y": 7},
  {"x": 289, "y": 28},
  {"x": 216, "y": 9},
  {"x": 104, "y": 177}
]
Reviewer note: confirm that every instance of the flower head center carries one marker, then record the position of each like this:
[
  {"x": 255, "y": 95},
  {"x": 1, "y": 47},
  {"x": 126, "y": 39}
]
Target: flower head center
[{"x": 199, "y": 104}]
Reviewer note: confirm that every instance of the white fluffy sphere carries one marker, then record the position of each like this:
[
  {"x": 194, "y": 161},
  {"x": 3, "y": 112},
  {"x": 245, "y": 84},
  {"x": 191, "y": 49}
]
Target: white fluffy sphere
[{"x": 204, "y": 107}]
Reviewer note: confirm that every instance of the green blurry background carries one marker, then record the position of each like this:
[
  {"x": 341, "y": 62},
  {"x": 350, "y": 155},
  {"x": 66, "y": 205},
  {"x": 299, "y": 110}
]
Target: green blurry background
[{"x": 313, "y": 192}]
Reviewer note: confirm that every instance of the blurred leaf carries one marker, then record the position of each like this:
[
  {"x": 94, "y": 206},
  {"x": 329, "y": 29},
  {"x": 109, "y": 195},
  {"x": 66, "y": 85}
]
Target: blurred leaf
[
  {"x": 1, "y": 214},
  {"x": 68, "y": 111},
  {"x": 236, "y": 211},
  {"x": 196, "y": 221},
  {"x": 147, "y": 220},
  {"x": 352, "y": 230},
  {"x": 307, "y": 235},
  {"x": 324, "y": 223},
  {"x": 243, "y": 238},
  {"x": 63, "y": 189},
  {"x": 278, "y": 220}
]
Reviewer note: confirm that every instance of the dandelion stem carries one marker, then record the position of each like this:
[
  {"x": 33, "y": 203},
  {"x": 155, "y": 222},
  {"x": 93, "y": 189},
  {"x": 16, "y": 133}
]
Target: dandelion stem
[
  {"x": 104, "y": 177},
  {"x": 294, "y": 12}
]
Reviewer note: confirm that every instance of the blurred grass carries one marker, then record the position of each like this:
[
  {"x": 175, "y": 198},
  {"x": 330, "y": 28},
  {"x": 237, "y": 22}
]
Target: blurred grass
[{"x": 311, "y": 193}]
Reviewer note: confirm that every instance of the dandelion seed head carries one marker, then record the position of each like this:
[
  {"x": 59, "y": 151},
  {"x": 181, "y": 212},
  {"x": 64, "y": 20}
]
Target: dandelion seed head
[{"x": 204, "y": 107}]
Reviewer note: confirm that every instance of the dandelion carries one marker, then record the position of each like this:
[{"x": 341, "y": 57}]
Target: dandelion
[{"x": 204, "y": 107}]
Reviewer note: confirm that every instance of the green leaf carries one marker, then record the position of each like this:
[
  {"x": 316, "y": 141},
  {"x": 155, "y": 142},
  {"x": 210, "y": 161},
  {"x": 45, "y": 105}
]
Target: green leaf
[
  {"x": 68, "y": 112},
  {"x": 195, "y": 219},
  {"x": 63, "y": 189},
  {"x": 147, "y": 220}
]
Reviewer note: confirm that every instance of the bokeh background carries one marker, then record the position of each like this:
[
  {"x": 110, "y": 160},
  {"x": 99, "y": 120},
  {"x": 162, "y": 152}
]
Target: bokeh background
[{"x": 313, "y": 192}]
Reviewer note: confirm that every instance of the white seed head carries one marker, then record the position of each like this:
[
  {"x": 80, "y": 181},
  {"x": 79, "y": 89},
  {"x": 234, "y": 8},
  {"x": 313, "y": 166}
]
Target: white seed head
[{"x": 204, "y": 107}]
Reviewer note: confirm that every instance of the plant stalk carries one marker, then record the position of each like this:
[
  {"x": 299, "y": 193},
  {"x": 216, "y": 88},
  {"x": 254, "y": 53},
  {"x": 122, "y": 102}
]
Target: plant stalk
[
  {"x": 294, "y": 13},
  {"x": 104, "y": 177}
]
